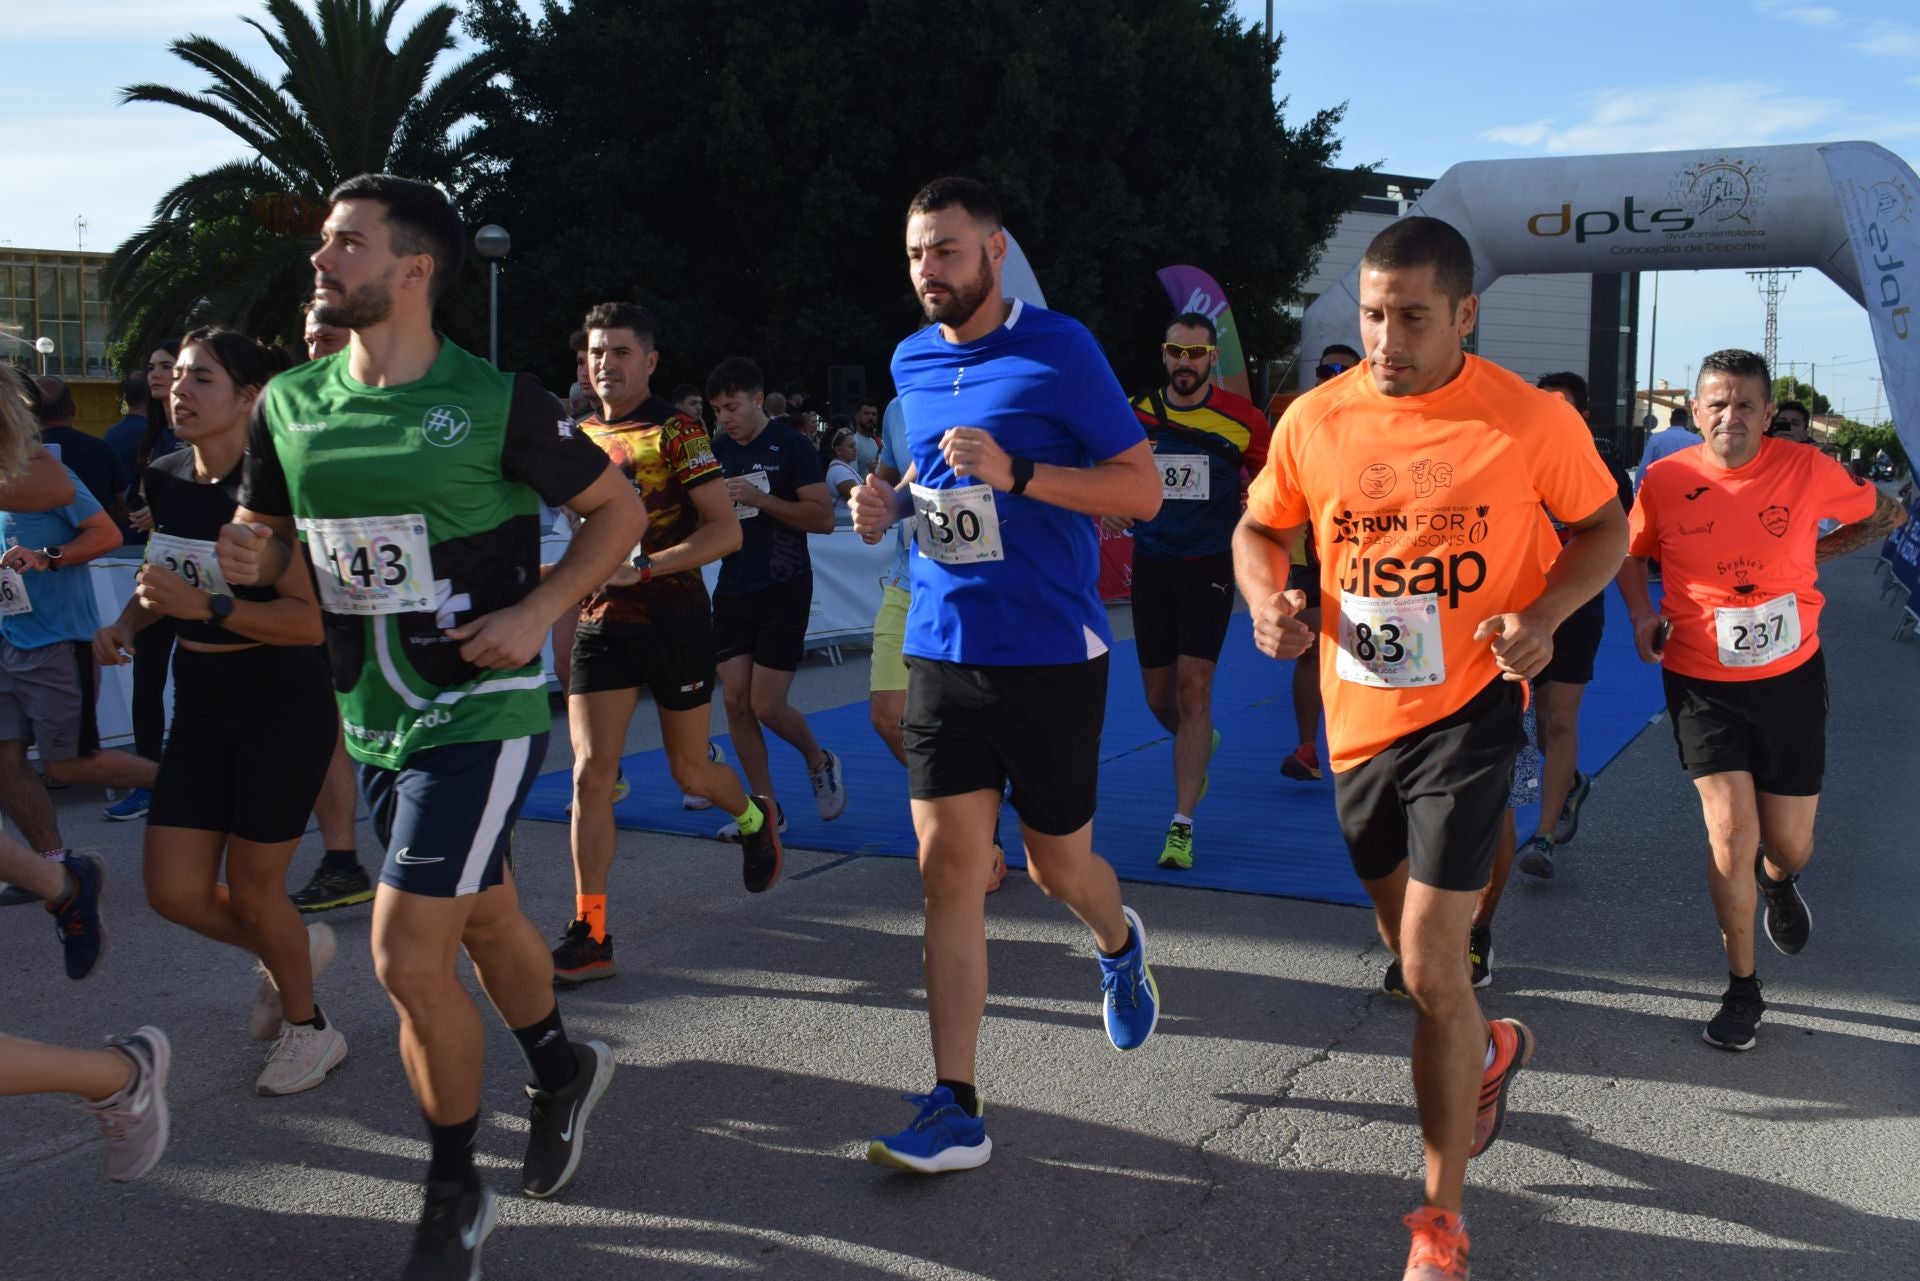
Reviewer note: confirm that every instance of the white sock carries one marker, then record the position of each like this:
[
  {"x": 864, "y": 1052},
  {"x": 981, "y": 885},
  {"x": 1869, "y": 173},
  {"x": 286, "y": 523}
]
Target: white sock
[{"x": 1182, "y": 818}]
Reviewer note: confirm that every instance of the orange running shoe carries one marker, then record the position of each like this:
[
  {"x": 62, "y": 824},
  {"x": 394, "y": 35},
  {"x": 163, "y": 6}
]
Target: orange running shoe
[
  {"x": 1512, "y": 1047},
  {"x": 1439, "y": 1250}
]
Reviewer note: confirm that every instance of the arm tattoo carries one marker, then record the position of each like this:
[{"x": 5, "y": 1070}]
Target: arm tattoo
[{"x": 1886, "y": 515}]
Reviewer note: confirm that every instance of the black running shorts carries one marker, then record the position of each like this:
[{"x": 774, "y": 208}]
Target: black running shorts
[
  {"x": 674, "y": 661},
  {"x": 446, "y": 817},
  {"x": 1774, "y": 728},
  {"x": 770, "y": 624},
  {"x": 1181, "y": 607},
  {"x": 1436, "y": 796},
  {"x": 1576, "y": 643},
  {"x": 253, "y": 733},
  {"x": 975, "y": 728}
]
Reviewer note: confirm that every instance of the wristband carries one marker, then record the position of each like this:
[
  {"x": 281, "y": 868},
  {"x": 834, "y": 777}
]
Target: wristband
[
  {"x": 1022, "y": 473},
  {"x": 643, "y": 563}
]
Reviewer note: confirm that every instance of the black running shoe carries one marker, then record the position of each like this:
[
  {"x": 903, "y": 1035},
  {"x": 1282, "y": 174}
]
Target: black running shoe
[
  {"x": 1734, "y": 1026},
  {"x": 331, "y": 888},
  {"x": 1480, "y": 952},
  {"x": 1567, "y": 826},
  {"x": 581, "y": 958},
  {"x": 557, "y": 1126},
  {"x": 1536, "y": 858},
  {"x": 1394, "y": 982},
  {"x": 76, "y": 918},
  {"x": 453, "y": 1226},
  {"x": 760, "y": 853},
  {"x": 1787, "y": 920}
]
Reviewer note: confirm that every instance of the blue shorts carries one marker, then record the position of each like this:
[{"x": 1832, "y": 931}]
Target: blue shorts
[{"x": 447, "y": 816}]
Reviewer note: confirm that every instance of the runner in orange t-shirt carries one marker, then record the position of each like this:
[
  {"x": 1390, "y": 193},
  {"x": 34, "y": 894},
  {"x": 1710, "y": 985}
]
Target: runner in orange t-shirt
[
  {"x": 1734, "y": 522},
  {"x": 1423, "y": 482}
]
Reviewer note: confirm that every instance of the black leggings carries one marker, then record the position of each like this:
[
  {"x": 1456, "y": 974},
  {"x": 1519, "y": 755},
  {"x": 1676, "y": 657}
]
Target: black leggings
[{"x": 152, "y": 656}]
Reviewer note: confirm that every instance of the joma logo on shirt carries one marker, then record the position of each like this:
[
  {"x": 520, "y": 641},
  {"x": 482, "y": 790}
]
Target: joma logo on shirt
[{"x": 1391, "y": 576}]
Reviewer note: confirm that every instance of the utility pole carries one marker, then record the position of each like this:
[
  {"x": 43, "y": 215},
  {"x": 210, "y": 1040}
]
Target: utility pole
[{"x": 1772, "y": 284}]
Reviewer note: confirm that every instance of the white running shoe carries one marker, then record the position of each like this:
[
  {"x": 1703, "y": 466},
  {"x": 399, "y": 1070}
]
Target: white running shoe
[
  {"x": 688, "y": 801},
  {"x": 829, "y": 788},
  {"x": 134, "y": 1121},
  {"x": 267, "y": 1014},
  {"x": 301, "y": 1059}
]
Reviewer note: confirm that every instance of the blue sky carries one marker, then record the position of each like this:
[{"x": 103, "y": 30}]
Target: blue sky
[{"x": 1427, "y": 85}]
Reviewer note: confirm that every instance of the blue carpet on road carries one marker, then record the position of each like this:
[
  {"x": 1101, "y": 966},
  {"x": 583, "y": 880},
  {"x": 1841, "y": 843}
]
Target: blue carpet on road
[{"x": 1256, "y": 832}]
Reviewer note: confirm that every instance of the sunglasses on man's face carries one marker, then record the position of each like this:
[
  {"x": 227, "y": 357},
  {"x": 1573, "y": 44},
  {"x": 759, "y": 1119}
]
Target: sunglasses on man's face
[
  {"x": 1330, "y": 369},
  {"x": 1179, "y": 351}
]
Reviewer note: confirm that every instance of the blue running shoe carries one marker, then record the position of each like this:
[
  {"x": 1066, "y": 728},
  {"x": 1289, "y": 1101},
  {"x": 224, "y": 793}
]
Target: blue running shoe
[
  {"x": 131, "y": 806},
  {"x": 1132, "y": 1000},
  {"x": 941, "y": 1138}
]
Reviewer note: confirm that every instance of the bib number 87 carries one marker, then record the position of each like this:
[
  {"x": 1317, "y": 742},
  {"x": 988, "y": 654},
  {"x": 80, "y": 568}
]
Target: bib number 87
[
  {"x": 365, "y": 565},
  {"x": 1384, "y": 643},
  {"x": 963, "y": 525},
  {"x": 1177, "y": 477}
]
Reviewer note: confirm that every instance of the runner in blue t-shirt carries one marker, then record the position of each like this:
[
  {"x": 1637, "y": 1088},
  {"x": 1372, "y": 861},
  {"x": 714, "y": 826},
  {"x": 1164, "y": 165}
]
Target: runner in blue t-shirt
[
  {"x": 1018, "y": 434},
  {"x": 765, "y": 591}
]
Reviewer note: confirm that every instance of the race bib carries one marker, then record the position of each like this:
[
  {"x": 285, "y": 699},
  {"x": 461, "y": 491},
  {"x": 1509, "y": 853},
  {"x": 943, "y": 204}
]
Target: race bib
[
  {"x": 1758, "y": 634},
  {"x": 190, "y": 558},
  {"x": 1185, "y": 476},
  {"x": 13, "y": 594},
  {"x": 959, "y": 526},
  {"x": 1390, "y": 642},
  {"x": 760, "y": 481},
  {"x": 372, "y": 564}
]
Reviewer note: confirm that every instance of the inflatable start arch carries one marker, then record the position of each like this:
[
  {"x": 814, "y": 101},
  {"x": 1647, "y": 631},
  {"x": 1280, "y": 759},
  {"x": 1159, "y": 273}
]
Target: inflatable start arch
[{"x": 1851, "y": 209}]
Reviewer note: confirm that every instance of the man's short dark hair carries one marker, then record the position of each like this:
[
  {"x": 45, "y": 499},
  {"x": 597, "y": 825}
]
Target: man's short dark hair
[
  {"x": 736, "y": 375},
  {"x": 135, "y": 391},
  {"x": 577, "y": 341},
  {"x": 1425, "y": 242},
  {"x": 56, "y": 400},
  {"x": 625, "y": 315},
  {"x": 865, "y": 402},
  {"x": 1566, "y": 380},
  {"x": 420, "y": 220},
  {"x": 1196, "y": 320},
  {"x": 1679, "y": 417},
  {"x": 1736, "y": 362},
  {"x": 1785, "y": 405},
  {"x": 683, "y": 391},
  {"x": 969, "y": 194}
]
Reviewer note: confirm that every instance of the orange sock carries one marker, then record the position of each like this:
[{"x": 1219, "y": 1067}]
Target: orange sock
[{"x": 592, "y": 908}]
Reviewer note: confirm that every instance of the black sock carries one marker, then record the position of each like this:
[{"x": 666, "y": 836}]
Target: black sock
[
  {"x": 318, "y": 1022},
  {"x": 963, "y": 1094},
  {"x": 347, "y": 860},
  {"x": 452, "y": 1160},
  {"x": 1748, "y": 981},
  {"x": 549, "y": 1054},
  {"x": 1127, "y": 947}
]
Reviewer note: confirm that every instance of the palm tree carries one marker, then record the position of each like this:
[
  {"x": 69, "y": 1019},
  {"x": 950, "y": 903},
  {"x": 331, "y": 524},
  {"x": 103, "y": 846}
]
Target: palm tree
[{"x": 230, "y": 245}]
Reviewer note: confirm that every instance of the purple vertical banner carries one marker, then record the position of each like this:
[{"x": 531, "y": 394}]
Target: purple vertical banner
[{"x": 1192, "y": 289}]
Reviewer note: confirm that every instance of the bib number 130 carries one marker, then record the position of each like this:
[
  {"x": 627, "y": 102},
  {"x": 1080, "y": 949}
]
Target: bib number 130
[{"x": 958, "y": 526}]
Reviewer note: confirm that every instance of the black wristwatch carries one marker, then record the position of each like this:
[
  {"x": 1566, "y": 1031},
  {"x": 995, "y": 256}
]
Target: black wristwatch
[
  {"x": 1022, "y": 473},
  {"x": 53, "y": 556},
  {"x": 220, "y": 607}
]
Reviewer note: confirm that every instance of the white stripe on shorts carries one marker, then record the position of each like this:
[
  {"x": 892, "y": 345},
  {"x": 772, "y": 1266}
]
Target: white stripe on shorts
[{"x": 509, "y": 767}]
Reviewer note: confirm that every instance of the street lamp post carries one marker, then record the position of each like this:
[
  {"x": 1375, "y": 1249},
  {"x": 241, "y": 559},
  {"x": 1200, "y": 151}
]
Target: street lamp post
[
  {"x": 43, "y": 345},
  {"x": 493, "y": 244}
]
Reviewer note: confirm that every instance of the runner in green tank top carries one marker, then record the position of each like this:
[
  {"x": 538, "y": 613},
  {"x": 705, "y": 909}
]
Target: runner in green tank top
[{"x": 410, "y": 473}]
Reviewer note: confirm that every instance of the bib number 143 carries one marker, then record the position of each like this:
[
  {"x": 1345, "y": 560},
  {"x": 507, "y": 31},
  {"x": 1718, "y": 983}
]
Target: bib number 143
[{"x": 372, "y": 564}]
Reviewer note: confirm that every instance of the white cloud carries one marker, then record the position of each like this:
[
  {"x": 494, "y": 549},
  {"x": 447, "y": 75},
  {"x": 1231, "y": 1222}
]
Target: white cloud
[
  {"x": 1890, "y": 40},
  {"x": 1671, "y": 117},
  {"x": 1811, "y": 15}
]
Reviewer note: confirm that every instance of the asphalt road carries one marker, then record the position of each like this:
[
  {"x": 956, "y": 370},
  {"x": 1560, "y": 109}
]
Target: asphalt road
[{"x": 1267, "y": 1131}]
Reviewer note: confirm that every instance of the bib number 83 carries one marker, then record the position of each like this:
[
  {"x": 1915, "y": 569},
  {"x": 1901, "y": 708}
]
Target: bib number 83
[{"x": 1383, "y": 643}]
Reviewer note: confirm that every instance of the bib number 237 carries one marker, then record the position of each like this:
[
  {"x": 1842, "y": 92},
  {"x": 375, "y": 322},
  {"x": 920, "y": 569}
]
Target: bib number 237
[{"x": 959, "y": 526}]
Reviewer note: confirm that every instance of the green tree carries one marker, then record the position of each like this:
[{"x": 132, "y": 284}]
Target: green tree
[
  {"x": 230, "y": 244},
  {"x": 1785, "y": 389},
  {"x": 1851, "y": 435},
  {"x": 743, "y": 168}
]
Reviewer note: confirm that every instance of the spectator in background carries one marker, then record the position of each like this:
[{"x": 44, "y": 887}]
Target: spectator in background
[
  {"x": 123, "y": 438},
  {"x": 866, "y": 422},
  {"x": 581, "y": 400},
  {"x": 1678, "y": 436},
  {"x": 321, "y": 339},
  {"x": 841, "y": 476},
  {"x": 86, "y": 455},
  {"x": 797, "y": 398},
  {"x": 687, "y": 399},
  {"x": 1792, "y": 422}
]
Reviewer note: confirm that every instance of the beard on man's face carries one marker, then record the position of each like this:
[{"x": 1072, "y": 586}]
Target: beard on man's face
[
  {"x": 963, "y": 299},
  {"x": 359, "y": 308},
  {"x": 1187, "y": 380}
]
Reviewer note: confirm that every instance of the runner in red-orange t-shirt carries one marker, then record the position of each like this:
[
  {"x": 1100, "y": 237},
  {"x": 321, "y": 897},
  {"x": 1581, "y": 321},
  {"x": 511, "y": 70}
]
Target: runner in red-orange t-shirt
[
  {"x": 1423, "y": 480},
  {"x": 1735, "y": 524}
]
